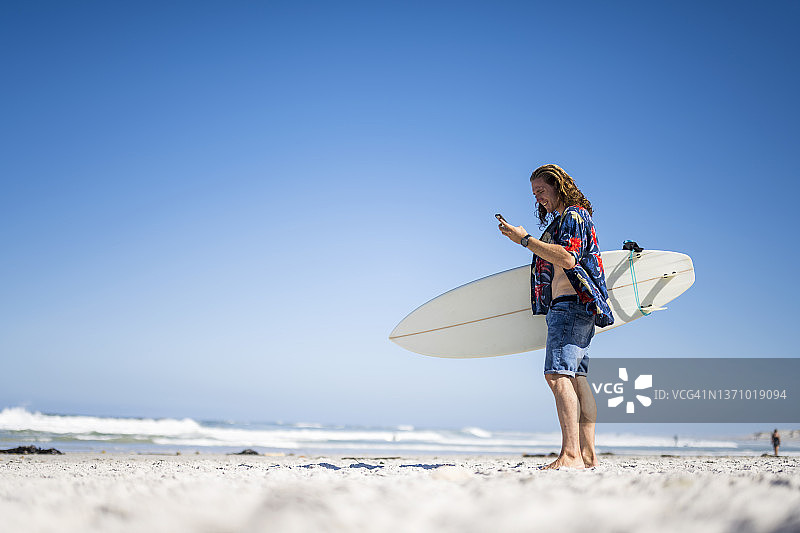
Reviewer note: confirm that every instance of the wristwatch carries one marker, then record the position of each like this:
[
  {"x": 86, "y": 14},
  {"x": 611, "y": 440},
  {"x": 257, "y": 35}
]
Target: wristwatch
[{"x": 524, "y": 241}]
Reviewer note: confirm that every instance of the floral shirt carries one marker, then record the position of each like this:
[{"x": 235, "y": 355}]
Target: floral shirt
[{"x": 574, "y": 230}]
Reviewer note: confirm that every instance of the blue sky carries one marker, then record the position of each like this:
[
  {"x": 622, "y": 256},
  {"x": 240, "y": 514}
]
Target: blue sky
[{"x": 221, "y": 210}]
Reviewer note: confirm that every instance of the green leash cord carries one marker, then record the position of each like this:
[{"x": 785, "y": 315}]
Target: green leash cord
[{"x": 635, "y": 288}]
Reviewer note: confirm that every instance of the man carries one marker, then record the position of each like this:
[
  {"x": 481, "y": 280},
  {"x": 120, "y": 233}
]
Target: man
[{"x": 568, "y": 285}]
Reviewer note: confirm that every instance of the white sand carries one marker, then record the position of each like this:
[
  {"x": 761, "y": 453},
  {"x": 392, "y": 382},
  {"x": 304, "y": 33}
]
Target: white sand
[{"x": 210, "y": 493}]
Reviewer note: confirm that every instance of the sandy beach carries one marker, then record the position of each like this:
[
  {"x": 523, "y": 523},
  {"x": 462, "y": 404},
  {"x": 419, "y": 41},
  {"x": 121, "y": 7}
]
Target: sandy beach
[{"x": 215, "y": 493}]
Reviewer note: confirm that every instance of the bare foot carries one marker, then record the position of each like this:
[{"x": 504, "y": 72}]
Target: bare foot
[
  {"x": 590, "y": 461},
  {"x": 589, "y": 458},
  {"x": 564, "y": 462}
]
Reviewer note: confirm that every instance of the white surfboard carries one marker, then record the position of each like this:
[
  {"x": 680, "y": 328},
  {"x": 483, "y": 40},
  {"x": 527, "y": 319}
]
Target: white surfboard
[{"x": 492, "y": 316}]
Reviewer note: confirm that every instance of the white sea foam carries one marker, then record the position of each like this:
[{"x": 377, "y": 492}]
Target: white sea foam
[
  {"x": 627, "y": 439},
  {"x": 478, "y": 432},
  {"x": 19, "y": 419},
  {"x": 187, "y": 432}
]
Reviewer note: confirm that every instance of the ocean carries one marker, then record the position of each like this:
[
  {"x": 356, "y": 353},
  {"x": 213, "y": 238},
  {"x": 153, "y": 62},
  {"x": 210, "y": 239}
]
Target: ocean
[{"x": 79, "y": 433}]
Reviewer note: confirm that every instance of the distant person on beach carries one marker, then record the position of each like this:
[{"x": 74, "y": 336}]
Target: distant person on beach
[
  {"x": 776, "y": 441},
  {"x": 568, "y": 286}
]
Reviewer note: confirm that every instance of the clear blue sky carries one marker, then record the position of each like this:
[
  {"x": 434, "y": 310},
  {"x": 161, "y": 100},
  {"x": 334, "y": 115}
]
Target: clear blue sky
[{"x": 221, "y": 209}]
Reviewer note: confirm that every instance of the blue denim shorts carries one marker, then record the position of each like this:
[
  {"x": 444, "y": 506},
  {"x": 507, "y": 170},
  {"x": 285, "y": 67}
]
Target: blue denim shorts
[{"x": 570, "y": 328}]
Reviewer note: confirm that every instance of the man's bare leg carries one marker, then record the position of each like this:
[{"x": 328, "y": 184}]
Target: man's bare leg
[
  {"x": 567, "y": 408},
  {"x": 586, "y": 422}
]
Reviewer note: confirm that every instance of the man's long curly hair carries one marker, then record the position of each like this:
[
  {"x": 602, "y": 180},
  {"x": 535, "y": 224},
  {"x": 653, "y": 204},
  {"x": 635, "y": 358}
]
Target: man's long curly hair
[{"x": 568, "y": 192}]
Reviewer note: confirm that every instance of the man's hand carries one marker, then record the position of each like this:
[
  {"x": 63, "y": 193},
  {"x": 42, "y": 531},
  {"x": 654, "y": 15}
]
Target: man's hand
[{"x": 515, "y": 233}]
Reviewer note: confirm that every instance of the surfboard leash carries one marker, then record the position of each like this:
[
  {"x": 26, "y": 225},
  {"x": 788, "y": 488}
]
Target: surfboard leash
[{"x": 632, "y": 247}]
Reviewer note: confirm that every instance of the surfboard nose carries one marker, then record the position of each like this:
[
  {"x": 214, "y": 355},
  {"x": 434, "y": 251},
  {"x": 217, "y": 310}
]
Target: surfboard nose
[
  {"x": 400, "y": 336},
  {"x": 399, "y": 331}
]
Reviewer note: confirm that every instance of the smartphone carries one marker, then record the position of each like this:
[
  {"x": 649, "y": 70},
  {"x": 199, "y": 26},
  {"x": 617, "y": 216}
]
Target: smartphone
[{"x": 500, "y": 217}]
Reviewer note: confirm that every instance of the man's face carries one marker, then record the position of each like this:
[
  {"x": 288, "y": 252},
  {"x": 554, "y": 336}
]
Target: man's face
[{"x": 545, "y": 194}]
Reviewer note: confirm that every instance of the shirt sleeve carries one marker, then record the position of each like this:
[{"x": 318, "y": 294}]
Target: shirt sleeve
[{"x": 572, "y": 235}]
